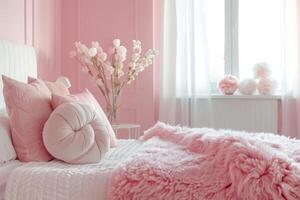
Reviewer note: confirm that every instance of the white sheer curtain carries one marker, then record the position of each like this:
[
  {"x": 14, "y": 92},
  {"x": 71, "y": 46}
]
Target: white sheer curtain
[
  {"x": 290, "y": 70},
  {"x": 185, "y": 72},
  {"x": 185, "y": 86}
]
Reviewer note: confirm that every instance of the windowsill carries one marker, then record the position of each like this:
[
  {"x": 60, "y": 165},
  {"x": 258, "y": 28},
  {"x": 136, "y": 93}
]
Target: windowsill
[{"x": 238, "y": 96}]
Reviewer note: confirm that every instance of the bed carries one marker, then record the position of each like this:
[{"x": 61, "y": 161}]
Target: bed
[
  {"x": 5, "y": 171},
  {"x": 168, "y": 162},
  {"x": 11, "y": 57},
  {"x": 87, "y": 181}
]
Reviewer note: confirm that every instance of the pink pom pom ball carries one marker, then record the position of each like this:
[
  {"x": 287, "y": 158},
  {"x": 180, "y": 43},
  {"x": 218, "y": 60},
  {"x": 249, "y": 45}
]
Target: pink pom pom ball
[
  {"x": 247, "y": 86},
  {"x": 266, "y": 86},
  {"x": 262, "y": 70},
  {"x": 228, "y": 85}
]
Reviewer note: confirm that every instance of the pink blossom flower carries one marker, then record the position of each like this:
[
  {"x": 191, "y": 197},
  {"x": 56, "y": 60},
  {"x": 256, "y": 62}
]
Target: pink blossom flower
[
  {"x": 116, "y": 42},
  {"x": 109, "y": 69},
  {"x": 92, "y": 52},
  {"x": 102, "y": 66},
  {"x": 103, "y": 56},
  {"x": 95, "y": 44},
  {"x": 99, "y": 82},
  {"x": 136, "y": 43},
  {"x": 121, "y": 50}
]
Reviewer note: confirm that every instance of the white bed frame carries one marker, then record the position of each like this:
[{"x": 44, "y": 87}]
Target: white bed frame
[{"x": 18, "y": 62}]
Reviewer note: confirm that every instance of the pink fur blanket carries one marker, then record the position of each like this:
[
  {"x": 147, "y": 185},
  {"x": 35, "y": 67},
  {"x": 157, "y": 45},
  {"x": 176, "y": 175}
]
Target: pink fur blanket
[{"x": 183, "y": 163}]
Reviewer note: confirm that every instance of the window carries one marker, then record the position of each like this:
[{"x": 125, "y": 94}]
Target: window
[
  {"x": 242, "y": 33},
  {"x": 216, "y": 38},
  {"x": 260, "y": 32}
]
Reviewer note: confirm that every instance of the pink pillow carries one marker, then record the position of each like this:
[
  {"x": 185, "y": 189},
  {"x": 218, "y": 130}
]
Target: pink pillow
[
  {"x": 54, "y": 87},
  {"x": 86, "y": 98},
  {"x": 75, "y": 134},
  {"x": 29, "y": 108}
]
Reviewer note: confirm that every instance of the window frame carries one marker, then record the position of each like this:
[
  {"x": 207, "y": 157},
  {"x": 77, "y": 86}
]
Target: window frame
[
  {"x": 231, "y": 41},
  {"x": 231, "y": 51}
]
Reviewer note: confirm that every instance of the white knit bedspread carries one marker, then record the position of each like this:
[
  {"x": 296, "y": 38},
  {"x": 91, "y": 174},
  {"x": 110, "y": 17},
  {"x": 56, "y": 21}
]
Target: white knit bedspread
[{"x": 60, "y": 181}]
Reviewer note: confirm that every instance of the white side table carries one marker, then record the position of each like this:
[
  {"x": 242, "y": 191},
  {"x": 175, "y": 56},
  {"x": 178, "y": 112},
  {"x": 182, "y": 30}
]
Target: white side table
[{"x": 133, "y": 130}]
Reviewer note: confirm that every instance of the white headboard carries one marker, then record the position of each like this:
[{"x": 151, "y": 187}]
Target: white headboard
[{"x": 16, "y": 61}]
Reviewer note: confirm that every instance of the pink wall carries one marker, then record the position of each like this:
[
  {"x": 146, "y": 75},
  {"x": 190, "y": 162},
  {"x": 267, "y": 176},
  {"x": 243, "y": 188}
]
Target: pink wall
[
  {"x": 13, "y": 20},
  {"x": 52, "y": 27},
  {"x": 36, "y": 23},
  {"x": 102, "y": 20}
]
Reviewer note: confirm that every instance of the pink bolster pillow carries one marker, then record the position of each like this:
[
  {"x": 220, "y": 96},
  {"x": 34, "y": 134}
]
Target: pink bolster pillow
[{"x": 74, "y": 133}]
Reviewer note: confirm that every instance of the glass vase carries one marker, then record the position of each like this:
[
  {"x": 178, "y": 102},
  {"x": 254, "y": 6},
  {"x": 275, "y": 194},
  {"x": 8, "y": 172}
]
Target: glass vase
[{"x": 112, "y": 108}]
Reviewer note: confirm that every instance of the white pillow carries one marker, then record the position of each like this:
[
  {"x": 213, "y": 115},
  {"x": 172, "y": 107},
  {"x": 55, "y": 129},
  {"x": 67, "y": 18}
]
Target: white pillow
[
  {"x": 7, "y": 151},
  {"x": 76, "y": 134}
]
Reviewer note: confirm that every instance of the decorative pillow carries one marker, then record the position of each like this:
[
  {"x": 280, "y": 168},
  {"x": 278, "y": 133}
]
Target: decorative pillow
[
  {"x": 7, "y": 151},
  {"x": 75, "y": 134},
  {"x": 54, "y": 87},
  {"x": 29, "y": 108},
  {"x": 86, "y": 98}
]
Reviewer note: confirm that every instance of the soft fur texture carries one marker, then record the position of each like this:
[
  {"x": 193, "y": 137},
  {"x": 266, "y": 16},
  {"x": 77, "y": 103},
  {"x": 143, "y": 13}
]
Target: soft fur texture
[
  {"x": 75, "y": 134},
  {"x": 182, "y": 163},
  {"x": 86, "y": 97},
  {"x": 29, "y": 107}
]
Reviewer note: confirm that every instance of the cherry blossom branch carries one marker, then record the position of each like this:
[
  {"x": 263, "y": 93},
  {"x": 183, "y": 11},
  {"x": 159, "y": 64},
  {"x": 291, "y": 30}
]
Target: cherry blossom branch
[{"x": 102, "y": 66}]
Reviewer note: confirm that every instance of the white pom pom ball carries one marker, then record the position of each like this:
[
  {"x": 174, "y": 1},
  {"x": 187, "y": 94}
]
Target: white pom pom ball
[
  {"x": 266, "y": 86},
  {"x": 247, "y": 86},
  {"x": 262, "y": 70}
]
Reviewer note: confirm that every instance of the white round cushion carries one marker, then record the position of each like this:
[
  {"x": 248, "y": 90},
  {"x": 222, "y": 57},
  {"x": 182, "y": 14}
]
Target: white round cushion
[{"x": 75, "y": 134}]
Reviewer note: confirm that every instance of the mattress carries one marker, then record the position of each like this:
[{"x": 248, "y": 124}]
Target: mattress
[
  {"x": 58, "y": 180},
  {"x": 5, "y": 170}
]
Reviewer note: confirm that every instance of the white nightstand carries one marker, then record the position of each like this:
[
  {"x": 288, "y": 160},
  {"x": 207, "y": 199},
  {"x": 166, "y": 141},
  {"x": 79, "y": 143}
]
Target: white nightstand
[{"x": 133, "y": 130}]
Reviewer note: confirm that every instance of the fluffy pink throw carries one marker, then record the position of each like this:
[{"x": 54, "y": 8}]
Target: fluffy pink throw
[{"x": 182, "y": 163}]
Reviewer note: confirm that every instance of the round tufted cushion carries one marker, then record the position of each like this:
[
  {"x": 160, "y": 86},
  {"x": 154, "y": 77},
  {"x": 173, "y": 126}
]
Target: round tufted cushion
[{"x": 75, "y": 134}]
